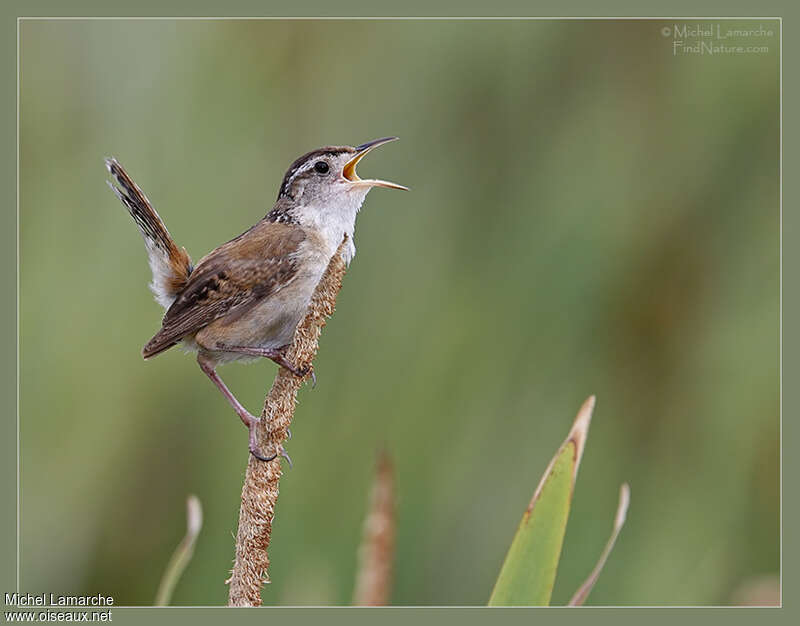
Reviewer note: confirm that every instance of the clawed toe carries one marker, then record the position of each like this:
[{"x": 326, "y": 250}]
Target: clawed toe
[
  {"x": 302, "y": 372},
  {"x": 253, "y": 443},
  {"x": 286, "y": 456},
  {"x": 257, "y": 453},
  {"x": 308, "y": 370}
]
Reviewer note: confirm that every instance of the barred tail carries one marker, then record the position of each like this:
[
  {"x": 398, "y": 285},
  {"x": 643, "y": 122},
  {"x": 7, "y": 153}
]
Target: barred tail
[{"x": 170, "y": 264}]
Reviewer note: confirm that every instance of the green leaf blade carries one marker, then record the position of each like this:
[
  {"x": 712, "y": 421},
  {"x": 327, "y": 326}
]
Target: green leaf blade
[{"x": 529, "y": 571}]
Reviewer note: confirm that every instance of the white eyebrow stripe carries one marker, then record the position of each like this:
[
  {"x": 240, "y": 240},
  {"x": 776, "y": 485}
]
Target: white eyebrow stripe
[{"x": 303, "y": 168}]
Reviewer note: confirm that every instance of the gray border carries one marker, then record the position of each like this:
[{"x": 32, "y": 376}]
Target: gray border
[{"x": 387, "y": 614}]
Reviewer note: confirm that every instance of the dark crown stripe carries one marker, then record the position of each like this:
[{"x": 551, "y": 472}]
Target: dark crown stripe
[{"x": 298, "y": 163}]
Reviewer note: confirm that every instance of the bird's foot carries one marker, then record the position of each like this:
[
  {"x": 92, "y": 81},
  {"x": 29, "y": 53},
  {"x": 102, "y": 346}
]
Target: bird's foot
[
  {"x": 300, "y": 372},
  {"x": 308, "y": 370},
  {"x": 253, "y": 441},
  {"x": 255, "y": 450},
  {"x": 277, "y": 356}
]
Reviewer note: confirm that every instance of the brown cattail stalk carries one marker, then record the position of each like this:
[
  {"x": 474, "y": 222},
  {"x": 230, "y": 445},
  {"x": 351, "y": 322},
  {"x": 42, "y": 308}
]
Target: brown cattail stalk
[
  {"x": 260, "y": 489},
  {"x": 376, "y": 556}
]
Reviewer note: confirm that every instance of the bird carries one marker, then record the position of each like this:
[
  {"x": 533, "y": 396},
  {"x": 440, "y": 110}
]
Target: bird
[{"x": 244, "y": 299}]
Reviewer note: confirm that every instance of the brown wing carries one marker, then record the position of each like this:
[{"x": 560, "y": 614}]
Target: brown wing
[{"x": 231, "y": 279}]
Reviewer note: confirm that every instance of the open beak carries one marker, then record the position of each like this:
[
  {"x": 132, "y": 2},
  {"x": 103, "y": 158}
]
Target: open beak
[{"x": 349, "y": 171}]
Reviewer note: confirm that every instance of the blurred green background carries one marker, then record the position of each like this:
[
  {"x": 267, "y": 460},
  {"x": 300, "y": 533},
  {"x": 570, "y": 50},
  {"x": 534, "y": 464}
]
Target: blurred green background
[{"x": 589, "y": 214}]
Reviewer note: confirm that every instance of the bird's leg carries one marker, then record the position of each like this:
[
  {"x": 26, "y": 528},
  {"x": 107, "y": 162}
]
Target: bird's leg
[
  {"x": 249, "y": 420},
  {"x": 278, "y": 355}
]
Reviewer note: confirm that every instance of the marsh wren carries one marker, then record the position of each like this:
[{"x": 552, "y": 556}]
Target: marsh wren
[{"x": 243, "y": 300}]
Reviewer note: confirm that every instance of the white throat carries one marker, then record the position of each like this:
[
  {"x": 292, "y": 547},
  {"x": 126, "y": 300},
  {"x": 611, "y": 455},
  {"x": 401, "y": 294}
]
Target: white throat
[{"x": 335, "y": 220}]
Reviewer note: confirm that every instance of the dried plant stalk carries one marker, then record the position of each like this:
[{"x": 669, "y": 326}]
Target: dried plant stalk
[
  {"x": 619, "y": 521},
  {"x": 183, "y": 553},
  {"x": 260, "y": 489},
  {"x": 374, "y": 581}
]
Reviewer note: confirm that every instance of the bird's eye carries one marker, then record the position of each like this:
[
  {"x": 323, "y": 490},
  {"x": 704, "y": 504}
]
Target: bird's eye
[{"x": 321, "y": 167}]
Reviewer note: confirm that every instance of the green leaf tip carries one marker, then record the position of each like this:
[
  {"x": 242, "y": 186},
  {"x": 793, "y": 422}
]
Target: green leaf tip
[{"x": 528, "y": 573}]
